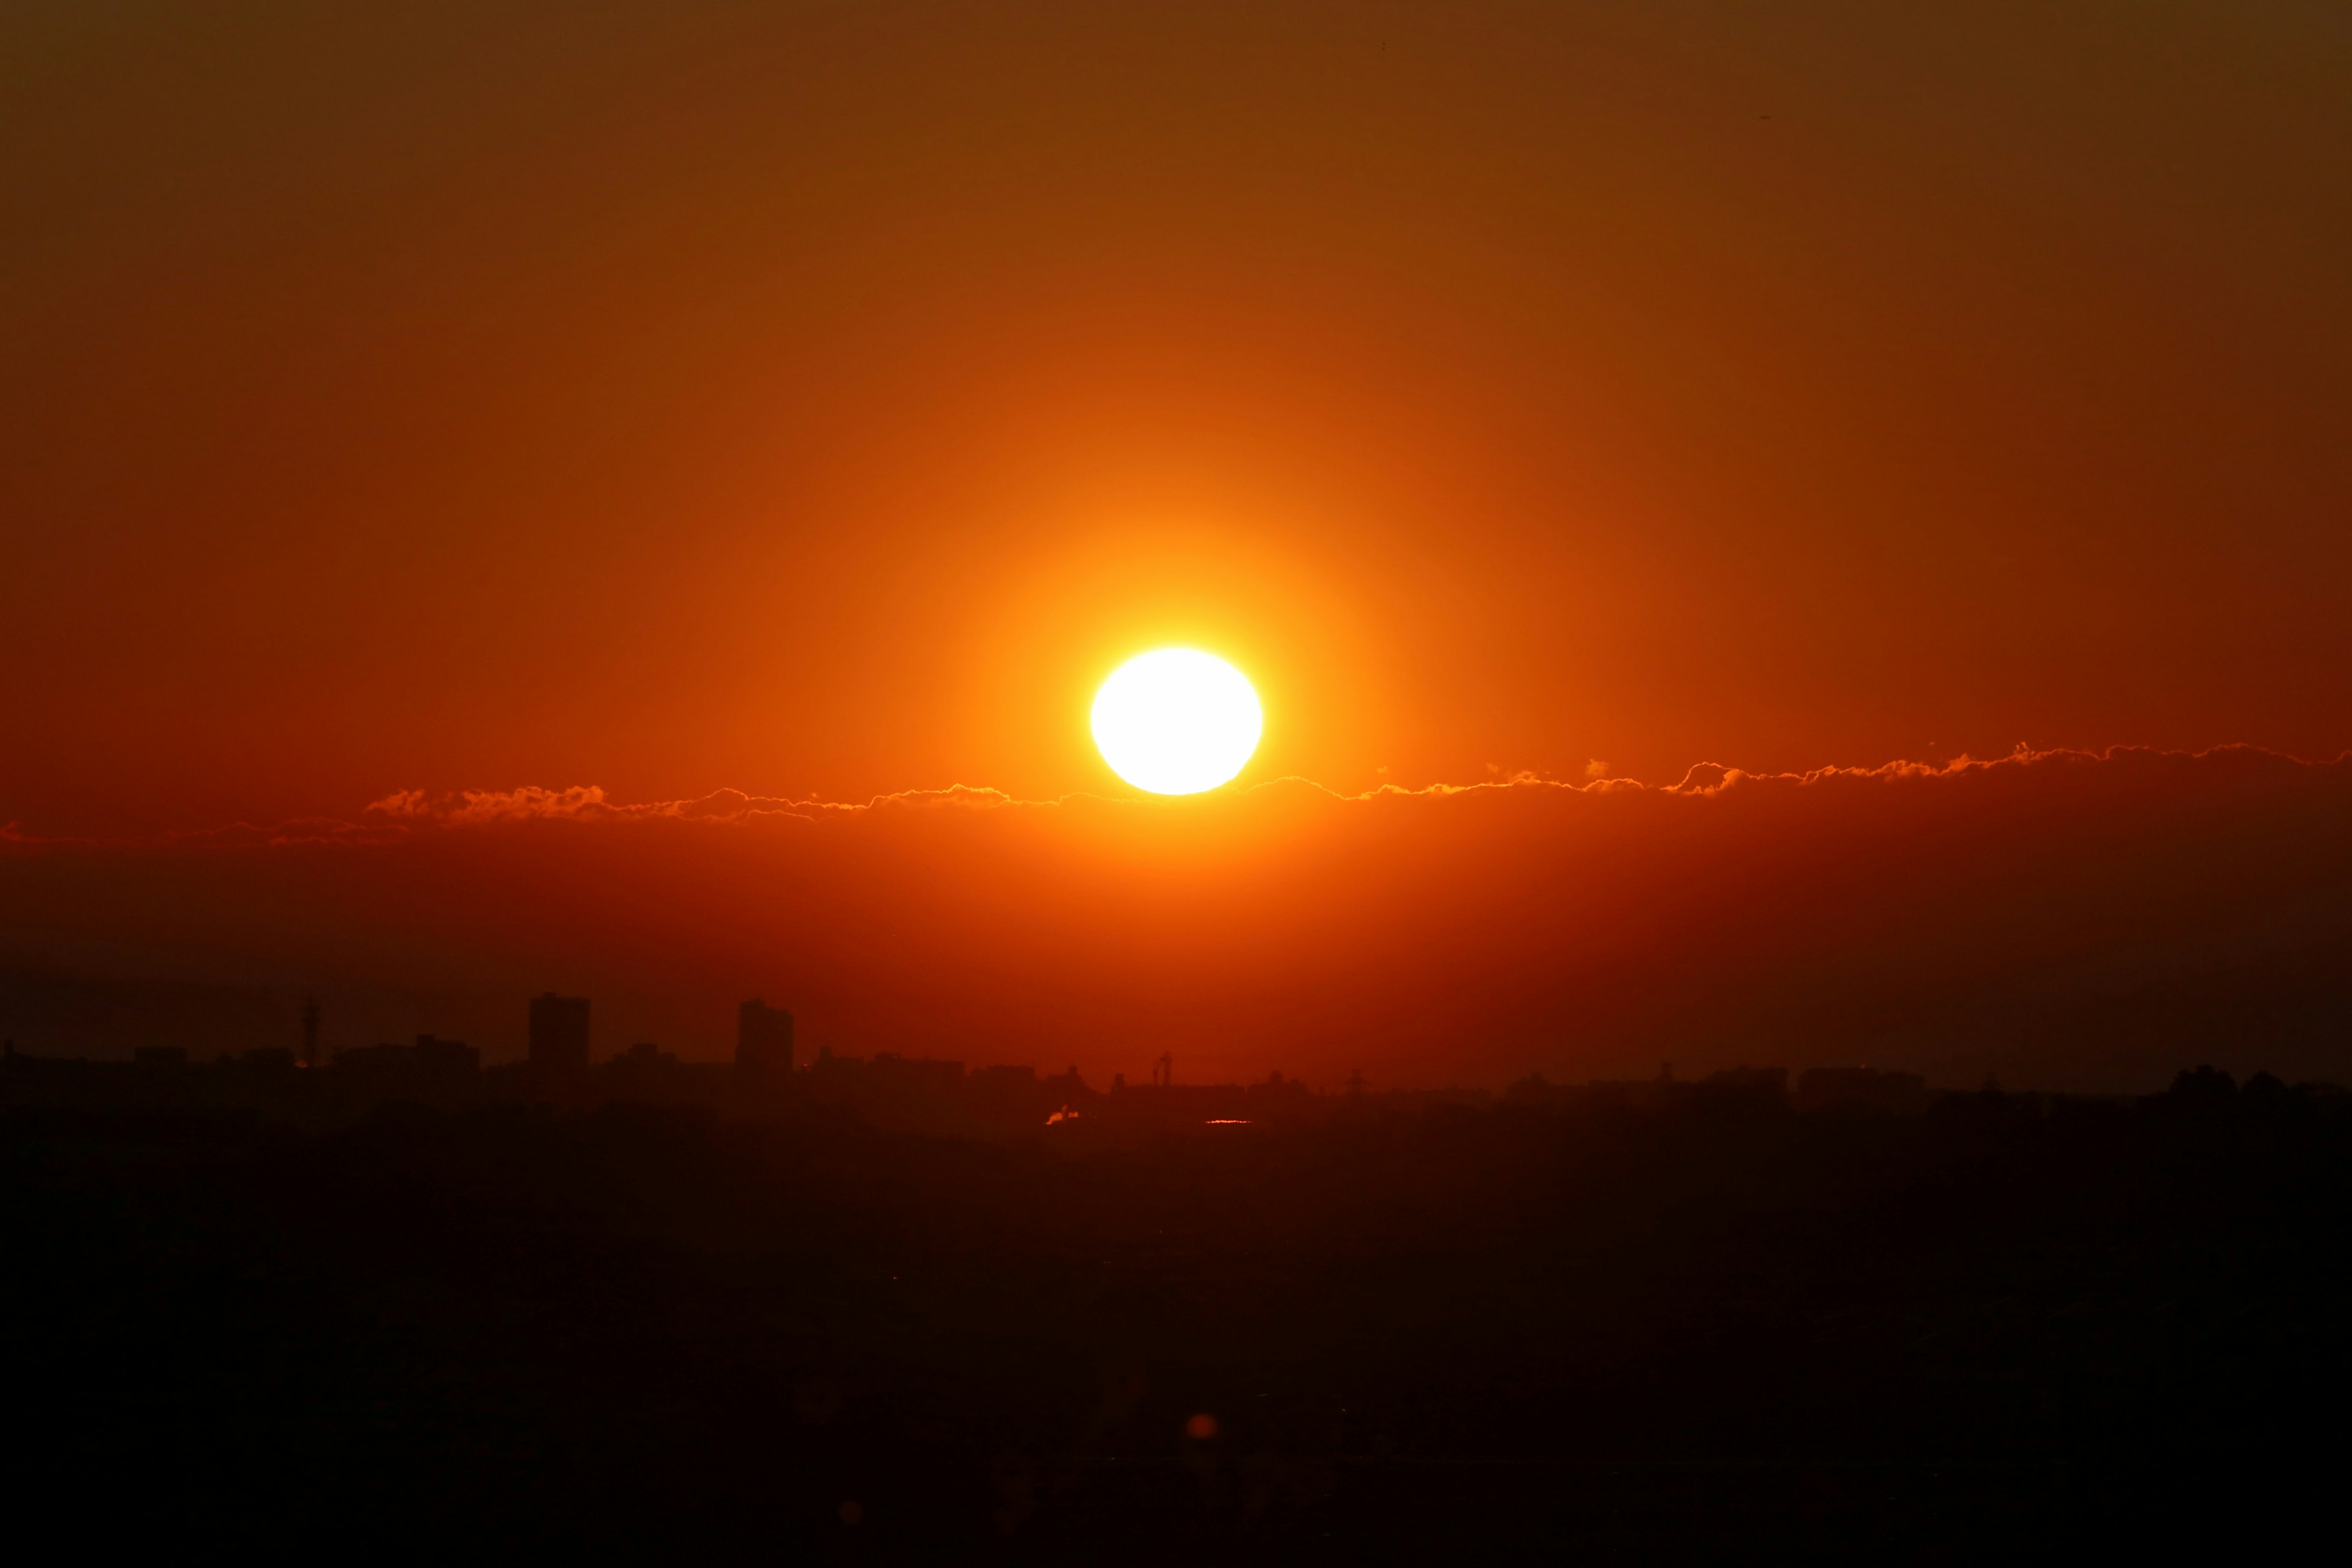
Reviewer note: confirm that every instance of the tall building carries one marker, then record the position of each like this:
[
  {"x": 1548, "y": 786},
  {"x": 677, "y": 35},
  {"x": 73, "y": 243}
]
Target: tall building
[
  {"x": 558, "y": 1033},
  {"x": 763, "y": 1040}
]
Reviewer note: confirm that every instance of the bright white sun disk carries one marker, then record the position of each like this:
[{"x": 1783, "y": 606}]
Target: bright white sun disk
[{"x": 1175, "y": 722}]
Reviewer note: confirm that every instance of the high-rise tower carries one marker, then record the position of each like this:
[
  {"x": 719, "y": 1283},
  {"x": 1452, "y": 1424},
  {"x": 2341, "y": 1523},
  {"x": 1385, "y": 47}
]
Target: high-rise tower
[{"x": 763, "y": 1040}]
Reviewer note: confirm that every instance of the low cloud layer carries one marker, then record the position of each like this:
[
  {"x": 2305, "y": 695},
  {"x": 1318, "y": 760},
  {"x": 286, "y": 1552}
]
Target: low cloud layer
[{"x": 2058, "y": 917}]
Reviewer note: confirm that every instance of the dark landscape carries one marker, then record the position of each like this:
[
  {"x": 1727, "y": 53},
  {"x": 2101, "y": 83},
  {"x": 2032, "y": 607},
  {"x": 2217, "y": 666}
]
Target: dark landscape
[{"x": 1842, "y": 1320}]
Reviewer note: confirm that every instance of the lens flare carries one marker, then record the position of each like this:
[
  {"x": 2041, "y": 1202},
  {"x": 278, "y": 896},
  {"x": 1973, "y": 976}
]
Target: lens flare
[{"x": 1177, "y": 721}]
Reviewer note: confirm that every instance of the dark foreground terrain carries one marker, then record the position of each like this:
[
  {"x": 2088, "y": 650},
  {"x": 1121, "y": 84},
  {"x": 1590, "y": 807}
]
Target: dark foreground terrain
[{"x": 2005, "y": 1328}]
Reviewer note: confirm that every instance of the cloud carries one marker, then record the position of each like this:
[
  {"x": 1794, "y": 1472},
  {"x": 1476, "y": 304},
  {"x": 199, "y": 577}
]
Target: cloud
[
  {"x": 407, "y": 811},
  {"x": 2094, "y": 915},
  {"x": 474, "y": 808},
  {"x": 589, "y": 803}
]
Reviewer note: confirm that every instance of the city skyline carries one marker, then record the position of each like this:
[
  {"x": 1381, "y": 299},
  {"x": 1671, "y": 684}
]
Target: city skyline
[{"x": 2071, "y": 920}]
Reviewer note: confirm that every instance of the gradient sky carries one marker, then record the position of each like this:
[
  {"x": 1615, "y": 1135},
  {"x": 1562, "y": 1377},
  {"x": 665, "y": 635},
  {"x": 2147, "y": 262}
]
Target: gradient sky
[{"x": 817, "y": 400}]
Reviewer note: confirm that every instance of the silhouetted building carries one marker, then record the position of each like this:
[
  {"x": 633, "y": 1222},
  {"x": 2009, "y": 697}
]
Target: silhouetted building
[
  {"x": 1768, "y": 1084},
  {"x": 763, "y": 1040},
  {"x": 895, "y": 1090},
  {"x": 1010, "y": 1099},
  {"x": 1164, "y": 1105},
  {"x": 1861, "y": 1090},
  {"x": 2203, "y": 1083},
  {"x": 558, "y": 1033},
  {"x": 439, "y": 1056},
  {"x": 650, "y": 1075},
  {"x": 932, "y": 1072},
  {"x": 430, "y": 1061}
]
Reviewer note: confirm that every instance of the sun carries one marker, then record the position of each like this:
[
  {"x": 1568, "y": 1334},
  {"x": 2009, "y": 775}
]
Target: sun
[{"x": 1176, "y": 722}]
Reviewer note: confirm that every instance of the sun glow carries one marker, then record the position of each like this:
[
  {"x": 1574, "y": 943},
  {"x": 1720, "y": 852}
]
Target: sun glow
[{"x": 1175, "y": 722}]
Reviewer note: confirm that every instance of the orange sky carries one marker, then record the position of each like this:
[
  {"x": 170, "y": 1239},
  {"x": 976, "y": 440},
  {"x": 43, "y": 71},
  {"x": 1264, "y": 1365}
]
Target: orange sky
[
  {"x": 817, "y": 400},
  {"x": 2062, "y": 919}
]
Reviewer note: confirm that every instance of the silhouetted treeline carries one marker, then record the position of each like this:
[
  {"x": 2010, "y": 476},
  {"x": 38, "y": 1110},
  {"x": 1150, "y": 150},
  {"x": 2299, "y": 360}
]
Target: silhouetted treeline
[{"x": 1705, "y": 1327}]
